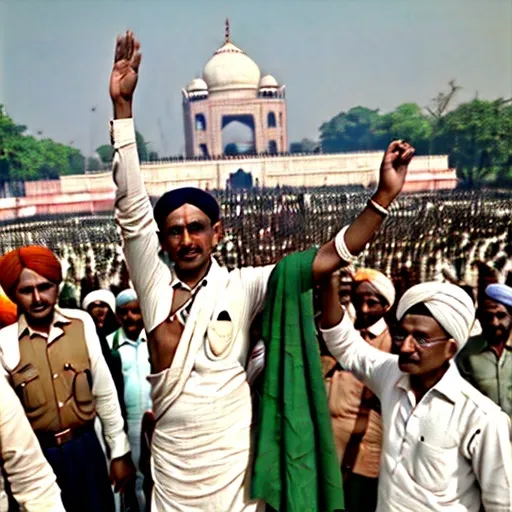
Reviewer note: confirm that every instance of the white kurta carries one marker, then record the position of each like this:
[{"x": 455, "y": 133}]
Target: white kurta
[
  {"x": 201, "y": 445},
  {"x": 451, "y": 451},
  {"x": 32, "y": 481}
]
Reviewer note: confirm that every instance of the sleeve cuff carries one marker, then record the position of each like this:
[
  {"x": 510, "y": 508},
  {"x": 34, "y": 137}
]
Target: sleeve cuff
[
  {"x": 120, "y": 446},
  {"x": 122, "y": 132}
]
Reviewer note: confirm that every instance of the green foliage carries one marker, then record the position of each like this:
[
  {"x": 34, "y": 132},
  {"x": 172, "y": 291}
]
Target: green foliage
[
  {"x": 355, "y": 130},
  {"x": 106, "y": 153},
  {"x": 25, "y": 158},
  {"x": 477, "y": 135},
  {"x": 142, "y": 147},
  {"x": 304, "y": 146}
]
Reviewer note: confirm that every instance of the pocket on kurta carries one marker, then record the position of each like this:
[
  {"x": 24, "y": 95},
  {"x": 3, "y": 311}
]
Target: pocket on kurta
[
  {"x": 28, "y": 386},
  {"x": 220, "y": 334},
  {"x": 82, "y": 393},
  {"x": 433, "y": 466}
]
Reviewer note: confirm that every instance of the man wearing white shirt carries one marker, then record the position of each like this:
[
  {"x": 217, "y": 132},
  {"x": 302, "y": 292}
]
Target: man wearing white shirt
[
  {"x": 198, "y": 317},
  {"x": 31, "y": 479},
  {"x": 53, "y": 359},
  {"x": 446, "y": 447},
  {"x": 131, "y": 344}
]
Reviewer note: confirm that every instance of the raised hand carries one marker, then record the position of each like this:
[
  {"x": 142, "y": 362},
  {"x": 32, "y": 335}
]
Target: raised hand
[
  {"x": 393, "y": 171},
  {"x": 124, "y": 76}
]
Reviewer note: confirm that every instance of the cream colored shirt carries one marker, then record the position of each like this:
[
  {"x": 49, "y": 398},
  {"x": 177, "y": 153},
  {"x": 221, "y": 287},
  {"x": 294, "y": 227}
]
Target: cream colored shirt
[
  {"x": 201, "y": 444},
  {"x": 450, "y": 452},
  {"x": 103, "y": 388},
  {"x": 31, "y": 478}
]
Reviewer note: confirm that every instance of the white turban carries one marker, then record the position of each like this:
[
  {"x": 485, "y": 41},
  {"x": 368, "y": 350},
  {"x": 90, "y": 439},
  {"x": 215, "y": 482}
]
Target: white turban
[
  {"x": 126, "y": 296},
  {"x": 382, "y": 284},
  {"x": 450, "y": 306},
  {"x": 99, "y": 296}
]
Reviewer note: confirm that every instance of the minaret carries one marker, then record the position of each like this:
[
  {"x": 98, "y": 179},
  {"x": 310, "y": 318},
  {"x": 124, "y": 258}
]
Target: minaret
[{"x": 226, "y": 35}]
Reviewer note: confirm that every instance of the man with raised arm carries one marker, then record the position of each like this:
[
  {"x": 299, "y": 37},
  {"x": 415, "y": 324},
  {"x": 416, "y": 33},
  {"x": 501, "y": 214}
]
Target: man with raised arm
[
  {"x": 445, "y": 446},
  {"x": 198, "y": 316}
]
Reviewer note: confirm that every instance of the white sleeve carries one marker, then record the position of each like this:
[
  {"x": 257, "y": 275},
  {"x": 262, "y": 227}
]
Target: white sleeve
[
  {"x": 32, "y": 480},
  {"x": 490, "y": 449},
  {"x": 255, "y": 284},
  {"x": 134, "y": 214},
  {"x": 367, "y": 363},
  {"x": 104, "y": 391}
]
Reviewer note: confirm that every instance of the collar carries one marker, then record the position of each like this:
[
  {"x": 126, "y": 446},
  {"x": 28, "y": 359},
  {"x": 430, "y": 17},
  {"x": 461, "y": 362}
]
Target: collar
[
  {"x": 58, "y": 319},
  {"x": 481, "y": 344},
  {"x": 448, "y": 386},
  {"x": 178, "y": 283},
  {"x": 124, "y": 340},
  {"x": 378, "y": 327}
]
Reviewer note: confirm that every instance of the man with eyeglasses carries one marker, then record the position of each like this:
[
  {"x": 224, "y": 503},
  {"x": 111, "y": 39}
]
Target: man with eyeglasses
[{"x": 445, "y": 445}]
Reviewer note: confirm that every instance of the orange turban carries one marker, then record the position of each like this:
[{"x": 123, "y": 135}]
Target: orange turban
[
  {"x": 34, "y": 257},
  {"x": 8, "y": 310},
  {"x": 382, "y": 284}
]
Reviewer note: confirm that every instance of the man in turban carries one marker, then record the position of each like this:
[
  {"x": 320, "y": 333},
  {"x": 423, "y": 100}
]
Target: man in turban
[
  {"x": 130, "y": 342},
  {"x": 355, "y": 410},
  {"x": 486, "y": 360},
  {"x": 198, "y": 314},
  {"x": 54, "y": 362},
  {"x": 445, "y": 445}
]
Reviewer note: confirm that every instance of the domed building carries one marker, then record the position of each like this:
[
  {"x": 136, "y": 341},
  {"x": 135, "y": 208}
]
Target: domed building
[{"x": 232, "y": 109}]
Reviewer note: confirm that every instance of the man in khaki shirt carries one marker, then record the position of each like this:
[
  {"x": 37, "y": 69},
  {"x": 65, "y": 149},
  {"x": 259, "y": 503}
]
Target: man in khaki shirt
[
  {"x": 30, "y": 477},
  {"x": 486, "y": 360}
]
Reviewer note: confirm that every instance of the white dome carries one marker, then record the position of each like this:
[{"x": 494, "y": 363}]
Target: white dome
[
  {"x": 230, "y": 69},
  {"x": 268, "y": 81},
  {"x": 197, "y": 84}
]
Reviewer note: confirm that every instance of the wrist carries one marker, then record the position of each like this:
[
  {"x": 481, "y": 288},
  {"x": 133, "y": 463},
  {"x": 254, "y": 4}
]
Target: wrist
[
  {"x": 383, "y": 199},
  {"x": 122, "y": 109}
]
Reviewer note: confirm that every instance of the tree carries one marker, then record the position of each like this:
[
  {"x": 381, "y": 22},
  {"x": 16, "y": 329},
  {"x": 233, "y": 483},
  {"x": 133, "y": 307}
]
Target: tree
[
  {"x": 106, "y": 153},
  {"x": 478, "y": 137},
  {"x": 355, "y": 130},
  {"x": 93, "y": 164},
  {"x": 142, "y": 147},
  {"x": 23, "y": 157},
  {"x": 406, "y": 122},
  {"x": 304, "y": 146}
]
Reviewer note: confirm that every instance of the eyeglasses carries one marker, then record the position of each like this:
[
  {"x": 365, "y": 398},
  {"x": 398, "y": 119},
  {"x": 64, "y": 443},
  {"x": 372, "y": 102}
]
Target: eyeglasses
[{"x": 421, "y": 341}]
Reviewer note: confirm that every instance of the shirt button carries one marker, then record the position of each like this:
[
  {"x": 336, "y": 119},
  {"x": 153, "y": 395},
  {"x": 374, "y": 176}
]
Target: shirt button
[
  {"x": 55, "y": 375},
  {"x": 61, "y": 405}
]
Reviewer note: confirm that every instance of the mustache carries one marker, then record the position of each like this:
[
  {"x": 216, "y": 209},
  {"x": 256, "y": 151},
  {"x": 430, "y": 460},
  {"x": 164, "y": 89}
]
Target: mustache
[
  {"x": 186, "y": 250},
  {"x": 408, "y": 359},
  {"x": 39, "y": 305}
]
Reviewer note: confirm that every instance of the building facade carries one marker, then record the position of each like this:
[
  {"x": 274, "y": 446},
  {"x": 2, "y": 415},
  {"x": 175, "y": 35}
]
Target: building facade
[{"x": 232, "y": 90}]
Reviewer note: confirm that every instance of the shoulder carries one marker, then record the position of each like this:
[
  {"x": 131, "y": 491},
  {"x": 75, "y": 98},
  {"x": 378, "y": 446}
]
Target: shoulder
[
  {"x": 9, "y": 346},
  {"x": 6, "y": 333},
  {"x": 474, "y": 345},
  {"x": 252, "y": 273},
  {"x": 482, "y": 407},
  {"x": 77, "y": 314}
]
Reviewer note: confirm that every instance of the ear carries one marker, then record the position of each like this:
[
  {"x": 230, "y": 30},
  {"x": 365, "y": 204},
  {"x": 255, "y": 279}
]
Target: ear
[
  {"x": 451, "y": 349},
  {"x": 218, "y": 232}
]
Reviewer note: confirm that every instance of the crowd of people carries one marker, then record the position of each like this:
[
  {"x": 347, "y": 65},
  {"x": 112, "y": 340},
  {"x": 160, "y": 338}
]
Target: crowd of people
[
  {"x": 293, "y": 350},
  {"x": 459, "y": 234}
]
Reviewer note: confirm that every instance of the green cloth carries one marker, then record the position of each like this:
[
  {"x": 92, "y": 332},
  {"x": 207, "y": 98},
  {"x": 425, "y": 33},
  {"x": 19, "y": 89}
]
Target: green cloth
[{"x": 296, "y": 468}]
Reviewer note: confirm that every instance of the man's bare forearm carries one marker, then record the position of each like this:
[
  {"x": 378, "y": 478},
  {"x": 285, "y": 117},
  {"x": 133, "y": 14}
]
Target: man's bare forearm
[
  {"x": 122, "y": 109},
  {"x": 367, "y": 223}
]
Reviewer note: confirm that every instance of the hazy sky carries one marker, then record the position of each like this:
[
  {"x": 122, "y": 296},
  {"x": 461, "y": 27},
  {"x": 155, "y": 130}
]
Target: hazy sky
[{"x": 332, "y": 55}]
